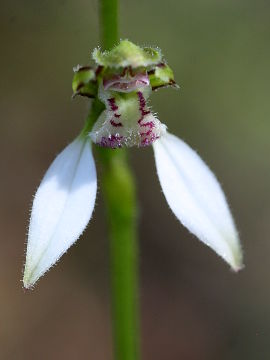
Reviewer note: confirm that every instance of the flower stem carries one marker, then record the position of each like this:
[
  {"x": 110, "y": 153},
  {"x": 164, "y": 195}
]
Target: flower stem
[
  {"x": 117, "y": 183},
  {"x": 119, "y": 194},
  {"x": 108, "y": 15}
]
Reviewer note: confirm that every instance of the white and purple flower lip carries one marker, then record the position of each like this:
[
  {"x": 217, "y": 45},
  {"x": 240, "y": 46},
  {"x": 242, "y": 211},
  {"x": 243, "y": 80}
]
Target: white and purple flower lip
[
  {"x": 126, "y": 83},
  {"x": 126, "y": 120},
  {"x": 63, "y": 205}
]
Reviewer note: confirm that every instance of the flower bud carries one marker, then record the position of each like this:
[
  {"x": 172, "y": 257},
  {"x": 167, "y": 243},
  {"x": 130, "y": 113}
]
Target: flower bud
[
  {"x": 84, "y": 81},
  {"x": 160, "y": 76}
]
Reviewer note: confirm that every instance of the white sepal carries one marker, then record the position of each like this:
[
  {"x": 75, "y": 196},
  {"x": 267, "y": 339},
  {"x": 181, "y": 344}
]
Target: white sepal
[
  {"x": 62, "y": 207},
  {"x": 196, "y": 198}
]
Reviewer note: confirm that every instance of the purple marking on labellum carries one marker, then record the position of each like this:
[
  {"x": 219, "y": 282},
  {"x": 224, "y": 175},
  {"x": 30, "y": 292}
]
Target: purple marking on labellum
[
  {"x": 141, "y": 100},
  {"x": 145, "y": 112},
  {"x": 148, "y": 141},
  {"x": 148, "y": 137},
  {"x": 142, "y": 104},
  {"x": 147, "y": 133},
  {"x": 112, "y": 103},
  {"x": 117, "y": 116},
  {"x": 149, "y": 123},
  {"x": 112, "y": 141},
  {"x": 113, "y": 123}
]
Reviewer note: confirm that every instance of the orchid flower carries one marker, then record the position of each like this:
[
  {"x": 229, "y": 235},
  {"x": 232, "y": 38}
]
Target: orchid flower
[{"x": 123, "y": 80}]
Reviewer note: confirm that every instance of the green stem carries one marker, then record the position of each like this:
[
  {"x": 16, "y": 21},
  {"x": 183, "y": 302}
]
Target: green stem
[
  {"x": 117, "y": 184},
  {"x": 109, "y": 23},
  {"x": 119, "y": 194}
]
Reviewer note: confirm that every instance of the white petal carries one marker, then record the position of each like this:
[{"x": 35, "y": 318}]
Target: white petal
[
  {"x": 62, "y": 207},
  {"x": 196, "y": 198}
]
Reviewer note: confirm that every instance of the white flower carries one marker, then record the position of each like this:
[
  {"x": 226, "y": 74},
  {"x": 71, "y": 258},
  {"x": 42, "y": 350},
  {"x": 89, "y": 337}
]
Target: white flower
[{"x": 64, "y": 202}]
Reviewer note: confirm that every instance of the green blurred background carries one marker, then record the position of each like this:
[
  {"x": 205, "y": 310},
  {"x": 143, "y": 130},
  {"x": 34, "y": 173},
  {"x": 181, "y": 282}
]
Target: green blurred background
[{"x": 192, "y": 306}]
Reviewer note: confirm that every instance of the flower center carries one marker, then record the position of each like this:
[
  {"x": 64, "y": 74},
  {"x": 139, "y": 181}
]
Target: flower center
[
  {"x": 126, "y": 83},
  {"x": 127, "y": 120}
]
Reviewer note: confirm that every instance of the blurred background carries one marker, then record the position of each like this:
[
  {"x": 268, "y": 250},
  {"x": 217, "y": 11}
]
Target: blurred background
[{"x": 192, "y": 306}]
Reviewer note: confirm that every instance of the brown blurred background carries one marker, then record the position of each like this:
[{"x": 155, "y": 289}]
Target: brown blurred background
[{"x": 192, "y": 306}]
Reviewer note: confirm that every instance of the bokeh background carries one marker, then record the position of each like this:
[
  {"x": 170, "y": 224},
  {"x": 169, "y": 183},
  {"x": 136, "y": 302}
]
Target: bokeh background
[{"x": 192, "y": 306}]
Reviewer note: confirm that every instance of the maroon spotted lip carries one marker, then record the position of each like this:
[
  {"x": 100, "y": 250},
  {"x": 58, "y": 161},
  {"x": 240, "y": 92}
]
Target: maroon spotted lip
[{"x": 126, "y": 83}]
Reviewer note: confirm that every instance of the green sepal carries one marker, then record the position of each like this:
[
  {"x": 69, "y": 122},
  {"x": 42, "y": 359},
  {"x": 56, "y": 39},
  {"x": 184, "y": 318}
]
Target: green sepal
[
  {"x": 127, "y": 54},
  {"x": 160, "y": 76},
  {"x": 84, "y": 81}
]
